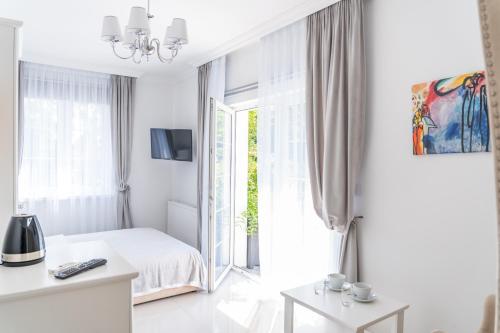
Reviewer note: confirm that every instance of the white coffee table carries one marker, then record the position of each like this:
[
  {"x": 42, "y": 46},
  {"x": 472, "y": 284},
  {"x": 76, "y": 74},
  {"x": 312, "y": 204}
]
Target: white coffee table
[{"x": 357, "y": 318}]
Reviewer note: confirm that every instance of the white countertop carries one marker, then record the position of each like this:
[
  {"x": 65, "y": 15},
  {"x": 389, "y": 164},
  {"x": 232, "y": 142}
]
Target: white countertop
[
  {"x": 329, "y": 305},
  {"x": 27, "y": 281}
]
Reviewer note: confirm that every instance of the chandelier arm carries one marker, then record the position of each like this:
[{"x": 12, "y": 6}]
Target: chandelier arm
[
  {"x": 147, "y": 46},
  {"x": 175, "y": 51},
  {"x": 137, "y": 61},
  {"x": 119, "y": 56},
  {"x": 162, "y": 58},
  {"x": 144, "y": 46}
]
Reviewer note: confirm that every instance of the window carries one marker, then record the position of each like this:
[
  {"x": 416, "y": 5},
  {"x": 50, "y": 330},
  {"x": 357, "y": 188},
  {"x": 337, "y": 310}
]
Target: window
[{"x": 66, "y": 175}]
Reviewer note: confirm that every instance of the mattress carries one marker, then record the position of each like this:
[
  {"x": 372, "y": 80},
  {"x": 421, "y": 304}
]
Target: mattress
[{"x": 163, "y": 262}]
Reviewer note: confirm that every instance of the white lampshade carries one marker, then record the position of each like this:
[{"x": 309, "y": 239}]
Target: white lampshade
[
  {"x": 130, "y": 38},
  {"x": 111, "y": 29},
  {"x": 138, "y": 20},
  {"x": 169, "y": 39},
  {"x": 177, "y": 31}
]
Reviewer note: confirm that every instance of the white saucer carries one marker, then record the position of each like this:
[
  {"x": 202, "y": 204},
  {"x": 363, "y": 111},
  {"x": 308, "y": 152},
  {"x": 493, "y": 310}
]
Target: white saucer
[
  {"x": 334, "y": 289},
  {"x": 365, "y": 300},
  {"x": 345, "y": 285}
]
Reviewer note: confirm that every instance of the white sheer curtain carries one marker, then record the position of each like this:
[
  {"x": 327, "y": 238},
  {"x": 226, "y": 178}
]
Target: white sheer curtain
[
  {"x": 212, "y": 78},
  {"x": 294, "y": 245},
  {"x": 66, "y": 174}
]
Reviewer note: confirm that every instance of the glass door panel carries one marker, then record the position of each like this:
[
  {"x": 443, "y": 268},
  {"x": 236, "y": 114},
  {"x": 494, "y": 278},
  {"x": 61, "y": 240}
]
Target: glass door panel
[{"x": 221, "y": 192}]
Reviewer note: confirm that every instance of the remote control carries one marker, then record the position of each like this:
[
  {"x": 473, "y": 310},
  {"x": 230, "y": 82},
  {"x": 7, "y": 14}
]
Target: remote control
[{"x": 84, "y": 266}]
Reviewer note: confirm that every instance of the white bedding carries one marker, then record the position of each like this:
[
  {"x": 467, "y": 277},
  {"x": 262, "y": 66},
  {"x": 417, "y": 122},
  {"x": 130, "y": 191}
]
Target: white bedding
[{"x": 163, "y": 262}]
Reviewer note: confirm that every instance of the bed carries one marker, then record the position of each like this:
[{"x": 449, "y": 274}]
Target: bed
[{"x": 167, "y": 266}]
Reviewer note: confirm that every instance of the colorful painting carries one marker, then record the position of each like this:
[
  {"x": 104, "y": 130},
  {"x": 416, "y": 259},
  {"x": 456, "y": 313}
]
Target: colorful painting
[{"x": 451, "y": 115}]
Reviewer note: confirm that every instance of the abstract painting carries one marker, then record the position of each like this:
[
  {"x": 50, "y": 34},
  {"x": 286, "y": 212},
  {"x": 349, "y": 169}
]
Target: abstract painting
[{"x": 451, "y": 115}]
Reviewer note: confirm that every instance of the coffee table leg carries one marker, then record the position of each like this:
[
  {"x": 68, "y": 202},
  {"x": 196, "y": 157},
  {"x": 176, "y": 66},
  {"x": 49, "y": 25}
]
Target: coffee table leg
[
  {"x": 400, "y": 322},
  {"x": 288, "y": 315}
]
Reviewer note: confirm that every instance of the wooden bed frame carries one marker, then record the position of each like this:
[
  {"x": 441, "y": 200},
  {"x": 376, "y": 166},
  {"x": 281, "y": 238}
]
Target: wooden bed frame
[{"x": 164, "y": 293}]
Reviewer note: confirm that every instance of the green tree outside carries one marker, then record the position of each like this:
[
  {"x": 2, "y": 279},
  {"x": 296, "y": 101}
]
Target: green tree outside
[{"x": 251, "y": 214}]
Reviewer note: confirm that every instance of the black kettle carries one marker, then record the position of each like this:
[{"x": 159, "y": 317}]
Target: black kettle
[{"x": 23, "y": 244}]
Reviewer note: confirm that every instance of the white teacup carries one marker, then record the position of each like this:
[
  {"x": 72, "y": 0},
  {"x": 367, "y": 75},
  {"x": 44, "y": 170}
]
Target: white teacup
[
  {"x": 336, "y": 280},
  {"x": 361, "y": 290}
]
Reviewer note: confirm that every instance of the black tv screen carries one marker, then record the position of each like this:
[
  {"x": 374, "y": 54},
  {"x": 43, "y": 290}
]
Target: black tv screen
[{"x": 171, "y": 144}]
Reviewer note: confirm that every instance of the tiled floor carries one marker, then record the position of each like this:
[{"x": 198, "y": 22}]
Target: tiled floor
[{"x": 238, "y": 305}]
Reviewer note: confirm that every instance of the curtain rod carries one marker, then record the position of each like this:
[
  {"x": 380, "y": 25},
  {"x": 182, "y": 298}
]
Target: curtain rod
[{"x": 241, "y": 89}]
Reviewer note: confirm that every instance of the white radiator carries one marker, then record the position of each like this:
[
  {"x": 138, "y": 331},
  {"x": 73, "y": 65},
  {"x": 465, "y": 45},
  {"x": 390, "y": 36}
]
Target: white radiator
[{"x": 182, "y": 222}]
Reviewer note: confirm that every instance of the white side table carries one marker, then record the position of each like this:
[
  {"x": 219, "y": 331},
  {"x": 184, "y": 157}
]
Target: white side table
[{"x": 357, "y": 318}]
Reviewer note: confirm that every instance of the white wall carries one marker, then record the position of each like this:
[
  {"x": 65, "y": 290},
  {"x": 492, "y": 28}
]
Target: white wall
[
  {"x": 7, "y": 123},
  {"x": 150, "y": 180},
  {"x": 8, "y": 58},
  {"x": 185, "y": 115},
  {"x": 242, "y": 66},
  {"x": 242, "y": 69},
  {"x": 428, "y": 237}
]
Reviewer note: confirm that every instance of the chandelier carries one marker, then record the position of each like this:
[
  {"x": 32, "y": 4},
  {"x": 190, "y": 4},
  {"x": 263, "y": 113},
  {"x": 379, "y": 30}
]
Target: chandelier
[{"x": 137, "y": 39}]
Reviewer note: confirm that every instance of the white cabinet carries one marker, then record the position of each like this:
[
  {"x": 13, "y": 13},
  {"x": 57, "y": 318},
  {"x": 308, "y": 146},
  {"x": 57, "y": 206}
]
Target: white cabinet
[
  {"x": 96, "y": 301},
  {"x": 9, "y": 37}
]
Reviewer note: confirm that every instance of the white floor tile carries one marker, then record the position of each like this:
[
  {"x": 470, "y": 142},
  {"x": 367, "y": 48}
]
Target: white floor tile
[{"x": 239, "y": 305}]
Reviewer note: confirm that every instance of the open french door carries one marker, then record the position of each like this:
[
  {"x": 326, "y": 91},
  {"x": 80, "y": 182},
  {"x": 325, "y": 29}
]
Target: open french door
[{"x": 221, "y": 197}]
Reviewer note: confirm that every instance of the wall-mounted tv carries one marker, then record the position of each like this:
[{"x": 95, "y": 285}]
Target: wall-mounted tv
[{"x": 171, "y": 144}]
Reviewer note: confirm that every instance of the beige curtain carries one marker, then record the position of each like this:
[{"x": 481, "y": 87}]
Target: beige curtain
[
  {"x": 203, "y": 100},
  {"x": 122, "y": 111},
  {"x": 211, "y": 83},
  {"x": 335, "y": 120},
  {"x": 489, "y": 12}
]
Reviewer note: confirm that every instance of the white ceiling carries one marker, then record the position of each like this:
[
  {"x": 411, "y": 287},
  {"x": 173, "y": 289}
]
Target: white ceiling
[{"x": 67, "y": 32}]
